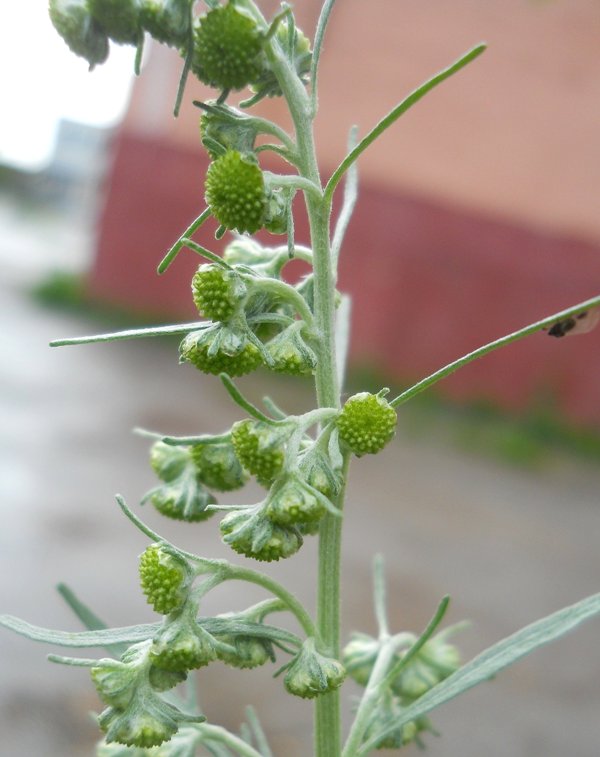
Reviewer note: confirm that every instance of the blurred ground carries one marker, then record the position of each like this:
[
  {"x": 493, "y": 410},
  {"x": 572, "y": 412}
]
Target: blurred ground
[{"x": 509, "y": 545}]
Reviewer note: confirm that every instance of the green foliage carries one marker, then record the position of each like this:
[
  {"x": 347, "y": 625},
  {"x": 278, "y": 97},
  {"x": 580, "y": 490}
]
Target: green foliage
[{"x": 257, "y": 318}]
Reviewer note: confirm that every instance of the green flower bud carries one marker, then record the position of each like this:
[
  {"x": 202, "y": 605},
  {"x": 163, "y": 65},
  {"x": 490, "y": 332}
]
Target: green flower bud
[
  {"x": 145, "y": 726},
  {"x": 217, "y": 291},
  {"x": 163, "y": 680},
  {"x": 82, "y": 33},
  {"x": 298, "y": 53},
  {"x": 235, "y": 192},
  {"x": 316, "y": 469},
  {"x": 435, "y": 661},
  {"x": 311, "y": 673},
  {"x": 115, "y": 681},
  {"x": 366, "y": 423},
  {"x": 119, "y": 18},
  {"x": 227, "y": 48},
  {"x": 246, "y": 251},
  {"x": 183, "y": 498},
  {"x": 218, "y": 349},
  {"x": 260, "y": 447},
  {"x": 276, "y": 211},
  {"x": 388, "y": 711},
  {"x": 289, "y": 352},
  {"x": 223, "y": 128},
  {"x": 250, "y": 651},
  {"x": 293, "y": 502},
  {"x": 167, "y": 461},
  {"x": 182, "y": 645},
  {"x": 249, "y": 532},
  {"x": 168, "y": 21},
  {"x": 165, "y": 578},
  {"x": 359, "y": 657},
  {"x": 218, "y": 466}
]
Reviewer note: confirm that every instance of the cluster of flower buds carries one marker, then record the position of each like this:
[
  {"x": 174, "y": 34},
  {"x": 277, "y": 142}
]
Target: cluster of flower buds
[
  {"x": 253, "y": 323},
  {"x": 300, "y": 483},
  {"x": 186, "y": 472},
  {"x": 136, "y": 715},
  {"x": 435, "y": 661},
  {"x": 226, "y": 45},
  {"x": 88, "y": 25}
]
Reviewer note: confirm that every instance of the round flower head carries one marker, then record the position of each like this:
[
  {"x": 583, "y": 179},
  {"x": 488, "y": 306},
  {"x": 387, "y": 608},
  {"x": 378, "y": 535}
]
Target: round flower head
[
  {"x": 293, "y": 503},
  {"x": 248, "y": 532},
  {"x": 217, "y": 292},
  {"x": 144, "y": 726},
  {"x": 227, "y": 48},
  {"x": 259, "y": 447},
  {"x": 250, "y": 651},
  {"x": 235, "y": 192},
  {"x": 289, "y": 352},
  {"x": 82, "y": 33},
  {"x": 218, "y": 466},
  {"x": 164, "y": 578},
  {"x": 359, "y": 657},
  {"x": 211, "y": 353},
  {"x": 167, "y": 461},
  {"x": 311, "y": 673},
  {"x": 366, "y": 423},
  {"x": 179, "y": 647}
]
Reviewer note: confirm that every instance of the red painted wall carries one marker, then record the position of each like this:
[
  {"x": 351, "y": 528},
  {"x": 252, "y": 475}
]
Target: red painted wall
[{"x": 429, "y": 283}]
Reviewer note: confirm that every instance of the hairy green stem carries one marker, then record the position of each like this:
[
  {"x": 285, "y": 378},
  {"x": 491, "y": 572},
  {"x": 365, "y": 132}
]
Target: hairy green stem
[
  {"x": 230, "y": 572},
  {"x": 327, "y": 707}
]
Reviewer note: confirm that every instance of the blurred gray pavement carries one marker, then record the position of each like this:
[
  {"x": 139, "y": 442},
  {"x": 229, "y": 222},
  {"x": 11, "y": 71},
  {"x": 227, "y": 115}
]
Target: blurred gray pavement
[{"x": 508, "y": 545}]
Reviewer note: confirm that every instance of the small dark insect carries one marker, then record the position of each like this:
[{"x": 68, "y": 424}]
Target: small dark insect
[{"x": 577, "y": 324}]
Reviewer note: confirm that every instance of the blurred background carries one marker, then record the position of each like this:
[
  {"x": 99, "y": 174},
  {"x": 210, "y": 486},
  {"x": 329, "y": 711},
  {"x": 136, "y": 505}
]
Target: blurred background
[{"x": 478, "y": 213}]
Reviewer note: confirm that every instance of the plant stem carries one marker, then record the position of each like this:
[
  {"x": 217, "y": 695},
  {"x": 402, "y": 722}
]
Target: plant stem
[{"x": 327, "y": 707}]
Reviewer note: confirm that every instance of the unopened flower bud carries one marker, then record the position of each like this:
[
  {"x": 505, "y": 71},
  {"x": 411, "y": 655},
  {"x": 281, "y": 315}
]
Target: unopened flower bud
[
  {"x": 289, "y": 352},
  {"x": 218, "y": 349},
  {"x": 260, "y": 447},
  {"x": 359, "y": 657},
  {"x": 292, "y": 502},
  {"x": 311, "y": 673},
  {"x": 78, "y": 28},
  {"x": 218, "y": 466},
  {"x": 250, "y": 532}
]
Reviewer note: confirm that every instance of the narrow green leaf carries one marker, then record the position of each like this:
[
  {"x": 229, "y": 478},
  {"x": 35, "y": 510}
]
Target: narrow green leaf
[
  {"x": 89, "y": 619},
  {"x": 491, "y": 346},
  {"x": 176, "y": 248},
  {"x": 495, "y": 659},
  {"x": 111, "y": 637},
  {"x": 240, "y": 400},
  {"x": 178, "y": 328},
  {"x": 106, "y": 637},
  {"x": 317, "y": 47},
  {"x": 394, "y": 114}
]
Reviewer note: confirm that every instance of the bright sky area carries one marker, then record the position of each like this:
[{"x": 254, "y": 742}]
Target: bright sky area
[{"x": 43, "y": 82}]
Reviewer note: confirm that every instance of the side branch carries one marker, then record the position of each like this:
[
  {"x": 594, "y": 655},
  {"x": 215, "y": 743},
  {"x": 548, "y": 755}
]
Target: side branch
[
  {"x": 393, "y": 115},
  {"x": 503, "y": 341}
]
